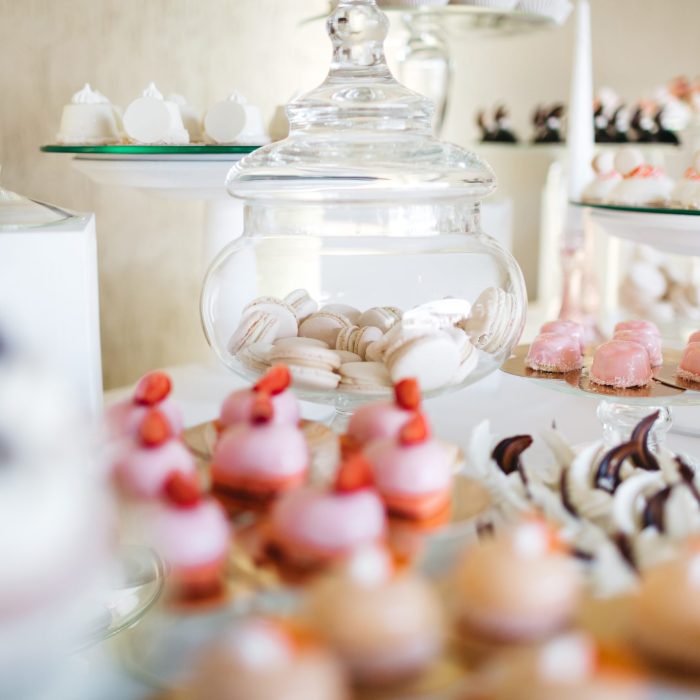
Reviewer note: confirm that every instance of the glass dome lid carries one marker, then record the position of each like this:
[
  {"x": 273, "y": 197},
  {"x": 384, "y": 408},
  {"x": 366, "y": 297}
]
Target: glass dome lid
[{"x": 360, "y": 135}]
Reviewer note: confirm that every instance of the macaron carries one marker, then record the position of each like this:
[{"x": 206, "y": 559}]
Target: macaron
[
  {"x": 302, "y": 304},
  {"x": 256, "y": 326},
  {"x": 324, "y": 326},
  {"x": 432, "y": 359},
  {"x": 364, "y": 377},
  {"x": 468, "y": 355},
  {"x": 350, "y": 312},
  {"x": 255, "y": 357},
  {"x": 283, "y": 312},
  {"x": 382, "y": 317},
  {"x": 490, "y": 323}
]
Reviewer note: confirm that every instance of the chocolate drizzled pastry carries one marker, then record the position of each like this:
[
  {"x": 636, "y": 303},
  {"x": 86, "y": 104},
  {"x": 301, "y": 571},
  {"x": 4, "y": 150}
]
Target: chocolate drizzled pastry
[
  {"x": 654, "y": 509},
  {"x": 507, "y": 455},
  {"x": 624, "y": 546},
  {"x": 644, "y": 458},
  {"x": 607, "y": 475},
  {"x": 687, "y": 474}
]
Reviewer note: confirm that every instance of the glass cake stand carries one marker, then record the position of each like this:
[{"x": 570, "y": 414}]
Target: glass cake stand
[{"x": 619, "y": 410}]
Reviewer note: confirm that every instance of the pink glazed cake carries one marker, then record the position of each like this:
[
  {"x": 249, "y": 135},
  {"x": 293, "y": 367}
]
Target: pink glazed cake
[
  {"x": 260, "y": 457},
  {"x": 412, "y": 472},
  {"x": 312, "y": 526},
  {"x": 384, "y": 419},
  {"x": 637, "y": 325},
  {"x": 566, "y": 328},
  {"x": 621, "y": 364},
  {"x": 124, "y": 418},
  {"x": 650, "y": 341},
  {"x": 554, "y": 352},
  {"x": 238, "y": 406},
  {"x": 147, "y": 462},
  {"x": 689, "y": 366},
  {"x": 193, "y": 536}
]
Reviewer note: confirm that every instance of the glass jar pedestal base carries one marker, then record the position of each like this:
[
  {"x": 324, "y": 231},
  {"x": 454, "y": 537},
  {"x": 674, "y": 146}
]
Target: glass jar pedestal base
[{"x": 619, "y": 420}]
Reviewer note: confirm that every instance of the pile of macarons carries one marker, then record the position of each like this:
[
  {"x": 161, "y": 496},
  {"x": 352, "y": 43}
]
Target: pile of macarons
[{"x": 340, "y": 347}]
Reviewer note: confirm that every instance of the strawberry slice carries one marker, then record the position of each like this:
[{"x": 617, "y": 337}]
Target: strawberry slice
[
  {"x": 354, "y": 474},
  {"x": 182, "y": 490},
  {"x": 415, "y": 431},
  {"x": 275, "y": 381},
  {"x": 152, "y": 388},
  {"x": 154, "y": 429},
  {"x": 407, "y": 393},
  {"x": 262, "y": 410}
]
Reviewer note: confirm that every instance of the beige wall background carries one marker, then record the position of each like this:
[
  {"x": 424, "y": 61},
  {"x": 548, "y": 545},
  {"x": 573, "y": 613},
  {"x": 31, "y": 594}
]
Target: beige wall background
[{"x": 149, "y": 248}]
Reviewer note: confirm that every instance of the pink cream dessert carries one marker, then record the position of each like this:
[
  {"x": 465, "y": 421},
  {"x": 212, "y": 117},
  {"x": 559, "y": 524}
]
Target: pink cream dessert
[
  {"x": 193, "y": 536},
  {"x": 141, "y": 472},
  {"x": 312, "y": 526},
  {"x": 650, "y": 341},
  {"x": 554, "y": 352},
  {"x": 621, "y": 364},
  {"x": 694, "y": 338},
  {"x": 566, "y": 328},
  {"x": 238, "y": 406},
  {"x": 412, "y": 472},
  {"x": 384, "y": 419},
  {"x": 124, "y": 418},
  {"x": 689, "y": 366},
  {"x": 260, "y": 457},
  {"x": 637, "y": 325}
]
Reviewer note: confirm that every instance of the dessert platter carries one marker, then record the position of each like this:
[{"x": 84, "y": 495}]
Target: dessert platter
[
  {"x": 633, "y": 200},
  {"x": 631, "y": 374}
]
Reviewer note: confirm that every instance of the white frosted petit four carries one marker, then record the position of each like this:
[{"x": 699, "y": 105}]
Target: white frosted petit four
[
  {"x": 150, "y": 119},
  {"x": 90, "y": 118}
]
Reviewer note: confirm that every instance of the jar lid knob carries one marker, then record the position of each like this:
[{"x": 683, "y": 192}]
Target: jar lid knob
[
  {"x": 360, "y": 93},
  {"x": 357, "y": 29}
]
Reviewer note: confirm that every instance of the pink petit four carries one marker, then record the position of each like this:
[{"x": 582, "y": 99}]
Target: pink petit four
[
  {"x": 192, "y": 535},
  {"x": 260, "y": 457},
  {"x": 650, "y": 341},
  {"x": 689, "y": 366},
  {"x": 141, "y": 472},
  {"x": 124, "y": 418},
  {"x": 312, "y": 525},
  {"x": 562, "y": 327},
  {"x": 238, "y": 406},
  {"x": 384, "y": 419},
  {"x": 621, "y": 364},
  {"x": 637, "y": 325},
  {"x": 554, "y": 352},
  {"x": 412, "y": 473}
]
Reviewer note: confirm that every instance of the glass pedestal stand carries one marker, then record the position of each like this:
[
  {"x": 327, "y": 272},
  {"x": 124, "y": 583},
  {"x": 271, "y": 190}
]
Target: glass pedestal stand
[{"x": 619, "y": 420}]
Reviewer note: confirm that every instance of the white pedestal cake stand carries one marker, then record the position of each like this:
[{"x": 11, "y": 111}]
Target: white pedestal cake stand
[{"x": 181, "y": 172}]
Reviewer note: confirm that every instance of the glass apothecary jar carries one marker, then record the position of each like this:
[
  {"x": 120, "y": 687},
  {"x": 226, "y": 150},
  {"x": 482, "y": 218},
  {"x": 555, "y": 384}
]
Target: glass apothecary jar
[{"x": 362, "y": 237}]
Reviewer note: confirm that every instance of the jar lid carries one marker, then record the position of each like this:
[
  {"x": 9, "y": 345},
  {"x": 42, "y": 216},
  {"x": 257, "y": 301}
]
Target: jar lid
[{"x": 360, "y": 135}]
